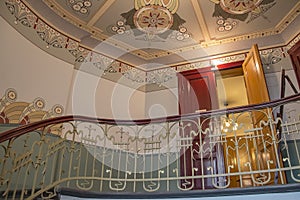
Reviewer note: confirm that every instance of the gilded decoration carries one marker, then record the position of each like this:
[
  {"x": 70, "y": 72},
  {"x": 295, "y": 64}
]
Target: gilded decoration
[
  {"x": 13, "y": 111},
  {"x": 156, "y": 19},
  {"x": 81, "y": 7},
  {"x": 153, "y": 19},
  {"x": 243, "y": 10}
]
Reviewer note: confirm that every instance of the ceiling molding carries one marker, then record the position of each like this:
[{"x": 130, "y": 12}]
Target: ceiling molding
[
  {"x": 281, "y": 26},
  {"x": 53, "y": 5},
  {"x": 100, "y": 12},
  {"x": 99, "y": 34},
  {"x": 201, "y": 20}
]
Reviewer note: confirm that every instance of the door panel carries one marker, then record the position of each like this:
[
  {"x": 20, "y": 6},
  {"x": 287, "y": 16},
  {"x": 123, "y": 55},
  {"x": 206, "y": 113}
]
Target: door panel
[
  {"x": 294, "y": 53},
  {"x": 257, "y": 93},
  {"x": 254, "y": 78},
  {"x": 256, "y": 86},
  {"x": 197, "y": 91}
]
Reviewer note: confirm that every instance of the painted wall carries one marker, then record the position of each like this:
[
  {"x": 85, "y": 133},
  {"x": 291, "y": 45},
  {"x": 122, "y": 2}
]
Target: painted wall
[
  {"x": 35, "y": 73},
  {"x": 32, "y": 72},
  {"x": 93, "y": 96},
  {"x": 162, "y": 103}
]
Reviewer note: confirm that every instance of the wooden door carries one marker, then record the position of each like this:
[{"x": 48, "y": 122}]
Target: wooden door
[
  {"x": 254, "y": 78},
  {"x": 197, "y": 91},
  {"x": 294, "y": 53},
  {"x": 257, "y": 93}
]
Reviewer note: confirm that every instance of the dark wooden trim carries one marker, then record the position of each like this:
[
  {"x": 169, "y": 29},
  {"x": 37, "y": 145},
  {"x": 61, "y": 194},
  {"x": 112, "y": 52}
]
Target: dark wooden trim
[
  {"x": 7, "y": 135},
  {"x": 294, "y": 56}
]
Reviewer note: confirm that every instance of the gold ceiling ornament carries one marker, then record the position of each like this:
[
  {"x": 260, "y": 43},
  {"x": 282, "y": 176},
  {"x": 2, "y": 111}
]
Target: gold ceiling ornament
[
  {"x": 171, "y": 5},
  {"x": 153, "y": 19},
  {"x": 239, "y": 7}
]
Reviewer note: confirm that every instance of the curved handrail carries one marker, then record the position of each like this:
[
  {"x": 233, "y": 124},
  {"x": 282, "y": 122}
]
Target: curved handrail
[{"x": 7, "y": 135}]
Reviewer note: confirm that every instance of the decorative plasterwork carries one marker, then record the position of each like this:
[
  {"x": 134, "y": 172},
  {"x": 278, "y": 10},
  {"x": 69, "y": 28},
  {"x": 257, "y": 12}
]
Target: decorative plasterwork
[
  {"x": 245, "y": 11},
  {"x": 79, "y": 6},
  {"x": 53, "y": 38},
  {"x": 12, "y": 111},
  {"x": 293, "y": 42}
]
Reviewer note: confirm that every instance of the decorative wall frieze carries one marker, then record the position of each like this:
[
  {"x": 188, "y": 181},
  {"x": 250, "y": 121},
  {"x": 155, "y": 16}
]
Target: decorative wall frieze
[
  {"x": 270, "y": 57},
  {"x": 228, "y": 59},
  {"x": 293, "y": 42},
  {"x": 161, "y": 76},
  {"x": 12, "y": 111}
]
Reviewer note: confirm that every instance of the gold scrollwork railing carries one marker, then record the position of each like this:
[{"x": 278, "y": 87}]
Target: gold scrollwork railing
[{"x": 236, "y": 148}]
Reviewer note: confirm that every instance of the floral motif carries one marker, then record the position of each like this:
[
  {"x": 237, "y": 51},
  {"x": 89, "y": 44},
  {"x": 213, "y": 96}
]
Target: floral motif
[
  {"x": 80, "y": 6},
  {"x": 239, "y": 6},
  {"x": 50, "y": 36},
  {"x": 271, "y": 56},
  {"x": 119, "y": 28},
  {"x": 225, "y": 25},
  {"x": 241, "y": 9},
  {"x": 135, "y": 75},
  {"x": 21, "y": 13},
  {"x": 153, "y": 19},
  {"x": 161, "y": 76}
]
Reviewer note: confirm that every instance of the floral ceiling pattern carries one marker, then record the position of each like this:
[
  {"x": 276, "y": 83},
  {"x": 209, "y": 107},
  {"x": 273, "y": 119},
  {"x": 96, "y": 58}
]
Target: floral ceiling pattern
[{"x": 150, "y": 18}]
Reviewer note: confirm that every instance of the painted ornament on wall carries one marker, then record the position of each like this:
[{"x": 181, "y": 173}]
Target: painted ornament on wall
[
  {"x": 243, "y": 10},
  {"x": 153, "y": 18}
]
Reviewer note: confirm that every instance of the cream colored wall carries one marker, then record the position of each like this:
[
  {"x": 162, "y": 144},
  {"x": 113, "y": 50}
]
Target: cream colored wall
[
  {"x": 231, "y": 90},
  {"x": 32, "y": 72},
  {"x": 162, "y": 103},
  {"x": 35, "y": 73},
  {"x": 93, "y": 96}
]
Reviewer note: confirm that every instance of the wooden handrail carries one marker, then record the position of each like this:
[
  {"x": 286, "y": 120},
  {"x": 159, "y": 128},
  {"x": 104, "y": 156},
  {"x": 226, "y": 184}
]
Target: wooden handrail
[{"x": 15, "y": 132}]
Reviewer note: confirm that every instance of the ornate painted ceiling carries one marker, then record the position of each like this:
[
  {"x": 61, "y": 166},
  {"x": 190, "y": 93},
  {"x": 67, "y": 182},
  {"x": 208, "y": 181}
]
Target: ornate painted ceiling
[{"x": 150, "y": 34}]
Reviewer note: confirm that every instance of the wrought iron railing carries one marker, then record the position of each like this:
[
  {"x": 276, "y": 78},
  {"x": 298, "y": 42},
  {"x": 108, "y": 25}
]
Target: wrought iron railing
[{"x": 236, "y": 148}]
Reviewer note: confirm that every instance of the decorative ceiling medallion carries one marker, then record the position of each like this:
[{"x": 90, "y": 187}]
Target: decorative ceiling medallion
[
  {"x": 153, "y": 19},
  {"x": 171, "y": 5},
  {"x": 241, "y": 9},
  {"x": 239, "y": 6}
]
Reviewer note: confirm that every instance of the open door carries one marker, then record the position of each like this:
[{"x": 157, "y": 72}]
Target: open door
[
  {"x": 254, "y": 78},
  {"x": 255, "y": 81},
  {"x": 265, "y": 150}
]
